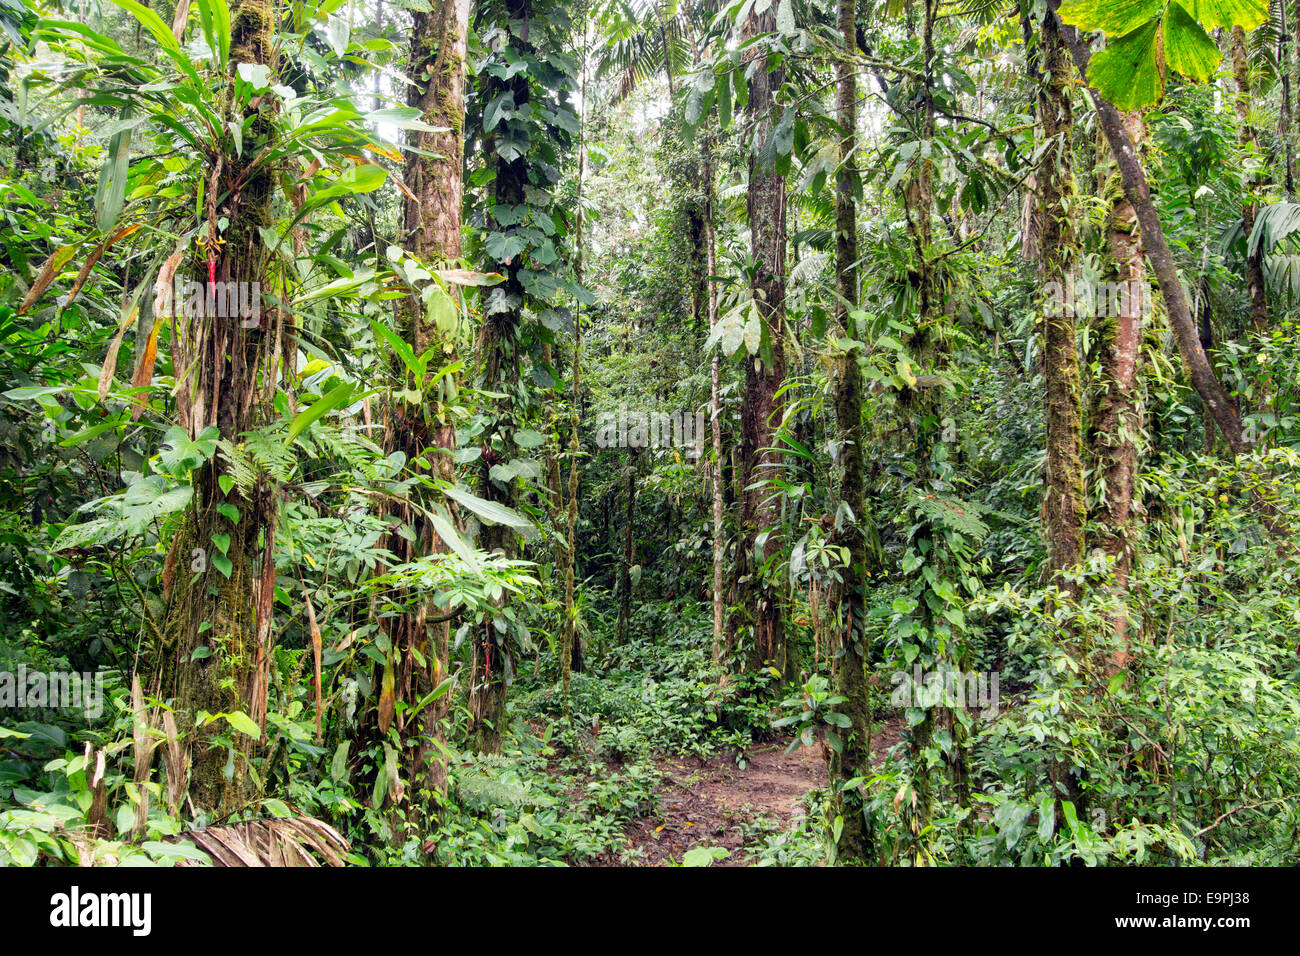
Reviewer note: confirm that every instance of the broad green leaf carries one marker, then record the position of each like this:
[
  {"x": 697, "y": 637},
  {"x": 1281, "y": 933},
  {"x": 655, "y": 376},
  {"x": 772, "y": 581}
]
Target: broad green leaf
[
  {"x": 704, "y": 855},
  {"x": 339, "y": 33},
  {"x": 1189, "y": 50},
  {"x": 338, "y": 397},
  {"x": 256, "y": 75},
  {"x": 1127, "y": 72},
  {"x": 215, "y": 17},
  {"x": 399, "y": 346},
  {"x": 452, "y": 539},
  {"x": 489, "y": 511},
  {"x": 403, "y": 117},
  {"x": 442, "y": 311},
  {"x": 111, "y": 191},
  {"x": 245, "y": 724},
  {"x": 151, "y": 22},
  {"x": 1246, "y": 14},
  {"x": 1111, "y": 17}
]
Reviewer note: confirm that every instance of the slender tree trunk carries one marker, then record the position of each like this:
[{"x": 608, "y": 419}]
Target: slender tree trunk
[
  {"x": 923, "y": 410},
  {"x": 1249, "y": 141},
  {"x": 625, "y": 569},
  {"x": 760, "y": 606},
  {"x": 499, "y": 356},
  {"x": 1286, "y": 116},
  {"x": 1063, "y": 503},
  {"x": 1138, "y": 193},
  {"x": 419, "y": 650},
  {"x": 221, "y": 598},
  {"x": 570, "y": 649},
  {"x": 853, "y": 759},
  {"x": 1117, "y": 415},
  {"x": 715, "y": 391}
]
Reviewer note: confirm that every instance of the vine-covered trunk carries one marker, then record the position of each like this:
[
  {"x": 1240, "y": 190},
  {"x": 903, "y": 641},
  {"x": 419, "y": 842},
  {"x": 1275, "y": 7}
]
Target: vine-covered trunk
[
  {"x": 1248, "y": 140},
  {"x": 420, "y": 638},
  {"x": 499, "y": 345},
  {"x": 570, "y": 647},
  {"x": 758, "y": 600},
  {"x": 1063, "y": 502},
  {"x": 853, "y": 758},
  {"x": 219, "y": 577},
  {"x": 1117, "y": 419},
  {"x": 922, "y": 407},
  {"x": 1138, "y": 193}
]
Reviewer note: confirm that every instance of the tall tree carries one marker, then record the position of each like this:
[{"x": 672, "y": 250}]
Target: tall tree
[
  {"x": 1117, "y": 418},
  {"x": 760, "y": 608},
  {"x": 853, "y": 757},
  {"x": 1248, "y": 138},
  {"x": 1136, "y": 189},
  {"x": 422, "y": 428},
  {"x": 1063, "y": 502},
  {"x": 499, "y": 349},
  {"x": 226, "y": 604}
]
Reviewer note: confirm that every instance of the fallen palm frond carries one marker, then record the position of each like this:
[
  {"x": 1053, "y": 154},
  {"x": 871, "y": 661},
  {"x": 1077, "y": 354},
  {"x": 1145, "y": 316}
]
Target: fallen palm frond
[{"x": 283, "y": 841}]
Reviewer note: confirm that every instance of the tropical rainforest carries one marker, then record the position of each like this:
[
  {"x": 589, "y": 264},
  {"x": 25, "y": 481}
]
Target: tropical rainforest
[{"x": 649, "y": 432}]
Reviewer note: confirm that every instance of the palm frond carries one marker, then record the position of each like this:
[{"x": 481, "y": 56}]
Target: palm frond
[{"x": 282, "y": 841}]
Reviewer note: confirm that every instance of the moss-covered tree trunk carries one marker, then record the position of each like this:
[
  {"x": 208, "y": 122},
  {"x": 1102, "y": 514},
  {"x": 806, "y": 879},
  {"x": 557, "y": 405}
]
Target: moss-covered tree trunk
[
  {"x": 1117, "y": 419},
  {"x": 214, "y": 653},
  {"x": 419, "y": 638},
  {"x": 499, "y": 345},
  {"x": 759, "y": 611},
  {"x": 853, "y": 759},
  {"x": 1063, "y": 501}
]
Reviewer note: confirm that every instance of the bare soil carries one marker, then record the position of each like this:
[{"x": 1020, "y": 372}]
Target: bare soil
[{"x": 715, "y": 802}]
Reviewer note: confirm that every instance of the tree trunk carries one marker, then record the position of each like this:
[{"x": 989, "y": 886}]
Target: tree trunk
[
  {"x": 499, "y": 357},
  {"x": 570, "y": 648},
  {"x": 432, "y": 217},
  {"x": 1117, "y": 413},
  {"x": 226, "y": 607},
  {"x": 715, "y": 403},
  {"x": 1063, "y": 504},
  {"x": 760, "y": 607},
  {"x": 853, "y": 759},
  {"x": 1138, "y": 193},
  {"x": 625, "y": 569},
  {"x": 1286, "y": 118}
]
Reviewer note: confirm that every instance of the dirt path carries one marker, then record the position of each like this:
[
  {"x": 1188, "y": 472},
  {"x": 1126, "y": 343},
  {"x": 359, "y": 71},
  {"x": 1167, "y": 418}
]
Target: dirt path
[{"x": 716, "y": 803}]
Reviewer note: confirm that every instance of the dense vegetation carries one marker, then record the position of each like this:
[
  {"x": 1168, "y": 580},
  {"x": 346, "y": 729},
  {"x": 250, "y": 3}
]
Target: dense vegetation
[{"x": 438, "y": 423}]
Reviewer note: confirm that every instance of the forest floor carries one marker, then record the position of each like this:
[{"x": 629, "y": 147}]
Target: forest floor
[{"x": 717, "y": 803}]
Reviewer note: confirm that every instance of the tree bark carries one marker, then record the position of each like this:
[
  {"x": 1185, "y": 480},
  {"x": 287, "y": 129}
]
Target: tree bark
[
  {"x": 1249, "y": 141},
  {"x": 228, "y": 612},
  {"x": 432, "y": 218},
  {"x": 853, "y": 759},
  {"x": 715, "y": 391},
  {"x": 499, "y": 357},
  {"x": 625, "y": 569},
  {"x": 1117, "y": 414},
  {"x": 1138, "y": 193},
  {"x": 760, "y": 608},
  {"x": 1063, "y": 502}
]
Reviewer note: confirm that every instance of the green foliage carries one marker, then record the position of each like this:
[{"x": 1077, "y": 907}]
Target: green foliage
[{"x": 1150, "y": 37}]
